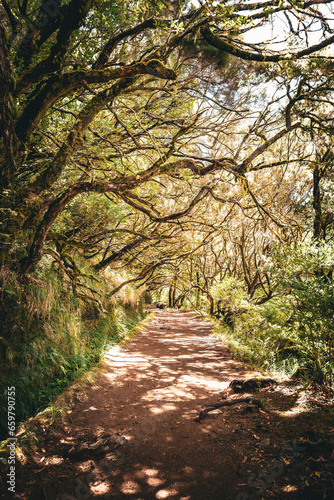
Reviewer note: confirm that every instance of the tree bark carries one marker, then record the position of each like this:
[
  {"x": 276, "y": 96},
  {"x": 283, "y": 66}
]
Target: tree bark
[
  {"x": 317, "y": 224},
  {"x": 9, "y": 144}
]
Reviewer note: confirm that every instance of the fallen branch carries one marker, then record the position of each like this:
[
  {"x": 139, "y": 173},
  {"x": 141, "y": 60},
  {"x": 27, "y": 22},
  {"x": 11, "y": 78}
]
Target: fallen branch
[{"x": 232, "y": 402}]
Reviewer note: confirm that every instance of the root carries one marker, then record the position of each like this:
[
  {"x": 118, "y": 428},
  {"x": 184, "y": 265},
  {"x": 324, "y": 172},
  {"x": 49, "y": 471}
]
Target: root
[{"x": 232, "y": 402}]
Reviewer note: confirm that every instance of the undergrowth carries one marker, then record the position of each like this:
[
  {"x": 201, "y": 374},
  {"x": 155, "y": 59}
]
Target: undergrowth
[
  {"x": 291, "y": 334},
  {"x": 268, "y": 339},
  {"x": 260, "y": 347},
  {"x": 50, "y": 336}
]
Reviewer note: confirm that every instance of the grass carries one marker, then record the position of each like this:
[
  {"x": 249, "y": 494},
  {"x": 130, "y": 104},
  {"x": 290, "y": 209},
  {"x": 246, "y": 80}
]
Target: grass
[
  {"x": 31, "y": 431},
  {"x": 256, "y": 355},
  {"x": 50, "y": 338},
  {"x": 44, "y": 377}
]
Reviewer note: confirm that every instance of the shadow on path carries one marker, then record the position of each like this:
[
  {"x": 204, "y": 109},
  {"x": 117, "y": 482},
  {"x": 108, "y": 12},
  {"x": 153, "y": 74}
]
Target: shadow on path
[{"x": 147, "y": 398}]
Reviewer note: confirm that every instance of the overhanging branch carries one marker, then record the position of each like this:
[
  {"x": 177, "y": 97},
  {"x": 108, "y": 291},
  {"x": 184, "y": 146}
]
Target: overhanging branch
[{"x": 227, "y": 45}]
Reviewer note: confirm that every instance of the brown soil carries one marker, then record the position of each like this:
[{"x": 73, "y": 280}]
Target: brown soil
[{"x": 133, "y": 434}]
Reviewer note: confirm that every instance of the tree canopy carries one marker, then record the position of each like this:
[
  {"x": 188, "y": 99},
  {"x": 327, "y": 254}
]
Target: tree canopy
[{"x": 123, "y": 124}]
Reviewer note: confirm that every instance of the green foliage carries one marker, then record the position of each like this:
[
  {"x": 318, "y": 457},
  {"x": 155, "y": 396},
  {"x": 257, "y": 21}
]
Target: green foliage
[
  {"x": 49, "y": 337},
  {"x": 231, "y": 294},
  {"x": 260, "y": 338},
  {"x": 206, "y": 53},
  {"x": 294, "y": 330},
  {"x": 304, "y": 278},
  {"x": 98, "y": 168}
]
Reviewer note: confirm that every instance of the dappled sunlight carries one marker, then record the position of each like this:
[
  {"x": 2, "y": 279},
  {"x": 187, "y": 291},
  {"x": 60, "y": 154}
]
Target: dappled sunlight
[
  {"x": 163, "y": 408},
  {"x": 150, "y": 472},
  {"x": 100, "y": 489},
  {"x": 130, "y": 487},
  {"x": 161, "y": 494},
  {"x": 298, "y": 405},
  {"x": 147, "y": 398},
  {"x": 172, "y": 392},
  {"x": 162, "y": 371},
  {"x": 124, "y": 358},
  {"x": 91, "y": 408},
  {"x": 176, "y": 153},
  {"x": 204, "y": 381},
  {"x": 175, "y": 363},
  {"x": 154, "y": 481},
  {"x": 159, "y": 482}
]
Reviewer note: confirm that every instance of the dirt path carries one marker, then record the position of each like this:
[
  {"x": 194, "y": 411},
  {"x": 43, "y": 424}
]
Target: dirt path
[{"x": 138, "y": 422}]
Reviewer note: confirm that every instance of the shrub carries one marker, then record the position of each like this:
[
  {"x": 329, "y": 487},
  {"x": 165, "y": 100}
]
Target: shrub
[{"x": 304, "y": 277}]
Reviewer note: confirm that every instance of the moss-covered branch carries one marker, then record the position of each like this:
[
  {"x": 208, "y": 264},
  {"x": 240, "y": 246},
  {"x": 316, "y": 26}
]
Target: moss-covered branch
[{"x": 60, "y": 86}]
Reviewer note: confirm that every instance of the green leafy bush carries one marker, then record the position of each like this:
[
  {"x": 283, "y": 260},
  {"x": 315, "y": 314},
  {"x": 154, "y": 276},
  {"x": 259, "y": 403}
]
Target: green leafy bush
[
  {"x": 294, "y": 330},
  {"x": 304, "y": 277}
]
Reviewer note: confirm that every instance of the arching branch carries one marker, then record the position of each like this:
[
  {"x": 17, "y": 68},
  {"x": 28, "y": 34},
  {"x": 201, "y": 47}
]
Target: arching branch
[
  {"x": 231, "y": 47},
  {"x": 59, "y": 86}
]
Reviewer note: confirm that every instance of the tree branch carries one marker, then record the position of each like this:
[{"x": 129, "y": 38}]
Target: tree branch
[
  {"x": 59, "y": 86},
  {"x": 225, "y": 44}
]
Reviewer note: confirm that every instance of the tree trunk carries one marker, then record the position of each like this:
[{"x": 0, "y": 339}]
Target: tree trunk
[
  {"x": 198, "y": 293},
  {"x": 170, "y": 296},
  {"x": 317, "y": 224},
  {"x": 9, "y": 142}
]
